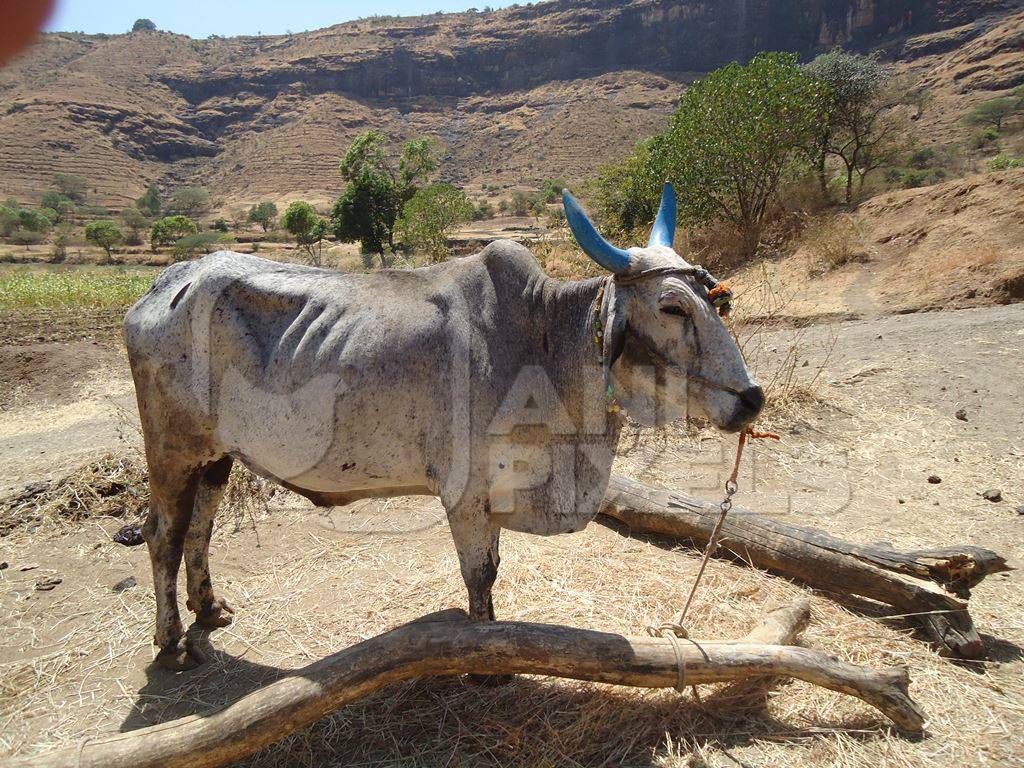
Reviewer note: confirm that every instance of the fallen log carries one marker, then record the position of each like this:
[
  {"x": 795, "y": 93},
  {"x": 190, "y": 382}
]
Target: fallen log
[
  {"x": 448, "y": 643},
  {"x": 926, "y": 585}
]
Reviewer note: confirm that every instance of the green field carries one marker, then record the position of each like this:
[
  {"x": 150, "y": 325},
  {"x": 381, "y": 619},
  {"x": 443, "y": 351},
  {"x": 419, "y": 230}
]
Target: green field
[{"x": 38, "y": 287}]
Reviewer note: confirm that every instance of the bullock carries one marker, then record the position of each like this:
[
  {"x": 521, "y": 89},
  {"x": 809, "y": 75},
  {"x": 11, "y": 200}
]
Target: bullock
[{"x": 481, "y": 381}]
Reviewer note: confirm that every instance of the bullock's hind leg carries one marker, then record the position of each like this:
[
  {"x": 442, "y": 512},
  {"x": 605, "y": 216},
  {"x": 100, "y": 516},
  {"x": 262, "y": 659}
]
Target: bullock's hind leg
[
  {"x": 210, "y": 611},
  {"x": 172, "y": 495}
]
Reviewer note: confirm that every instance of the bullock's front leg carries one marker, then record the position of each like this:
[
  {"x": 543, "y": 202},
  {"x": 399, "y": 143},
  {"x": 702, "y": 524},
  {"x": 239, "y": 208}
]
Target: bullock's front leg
[{"x": 476, "y": 541}]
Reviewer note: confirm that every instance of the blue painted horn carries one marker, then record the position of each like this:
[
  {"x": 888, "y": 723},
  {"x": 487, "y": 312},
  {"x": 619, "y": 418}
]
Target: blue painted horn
[
  {"x": 596, "y": 247},
  {"x": 664, "y": 230}
]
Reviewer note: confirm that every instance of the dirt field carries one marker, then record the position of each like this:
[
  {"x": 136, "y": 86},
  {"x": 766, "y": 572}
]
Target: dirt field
[{"x": 855, "y": 460}]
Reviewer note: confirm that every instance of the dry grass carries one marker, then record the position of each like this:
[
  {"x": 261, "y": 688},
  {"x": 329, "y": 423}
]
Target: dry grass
[
  {"x": 116, "y": 486},
  {"x": 833, "y": 242}
]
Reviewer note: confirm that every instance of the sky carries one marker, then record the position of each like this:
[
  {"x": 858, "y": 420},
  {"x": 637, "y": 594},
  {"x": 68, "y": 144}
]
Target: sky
[{"x": 202, "y": 18}]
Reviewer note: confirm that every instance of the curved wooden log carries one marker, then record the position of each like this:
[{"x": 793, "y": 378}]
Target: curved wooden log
[
  {"x": 918, "y": 583},
  {"x": 448, "y": 644}
]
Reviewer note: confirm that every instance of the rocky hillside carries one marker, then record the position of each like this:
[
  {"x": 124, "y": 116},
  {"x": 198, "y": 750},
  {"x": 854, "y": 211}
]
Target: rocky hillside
[{"x": 514, "y": 96}]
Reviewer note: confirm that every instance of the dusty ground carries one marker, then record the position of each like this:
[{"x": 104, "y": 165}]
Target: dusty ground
[{"x": 855, "y": 460}]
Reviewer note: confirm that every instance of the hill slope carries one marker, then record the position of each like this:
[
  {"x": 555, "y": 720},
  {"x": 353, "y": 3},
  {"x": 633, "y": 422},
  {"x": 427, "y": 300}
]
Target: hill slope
[{"x": 553, "y": 89}]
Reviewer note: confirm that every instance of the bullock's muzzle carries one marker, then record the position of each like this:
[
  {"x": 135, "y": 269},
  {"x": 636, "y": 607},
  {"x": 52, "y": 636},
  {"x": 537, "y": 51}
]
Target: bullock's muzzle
[{"x": 749, "y": 404}]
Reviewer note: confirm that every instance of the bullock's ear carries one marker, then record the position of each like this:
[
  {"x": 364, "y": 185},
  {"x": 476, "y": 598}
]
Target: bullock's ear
[{"x": 614, "y": 332}]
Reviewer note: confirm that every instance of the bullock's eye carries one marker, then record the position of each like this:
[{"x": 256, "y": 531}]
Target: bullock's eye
[{"x": 672, "y": 309}]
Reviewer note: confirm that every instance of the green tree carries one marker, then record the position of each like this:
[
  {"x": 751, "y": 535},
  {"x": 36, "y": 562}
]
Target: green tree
[
  {"x": 104, "y": 234},
  {"x": 431, "y": 217},
  {"x": 143, "y": 25},
  {"x": 377, "y": 190},
  {"x": 196, "y": 243},
  {"x": 861, "y": 122},
  {"x": 169, "y": 229},
  {"x": 307, "y": 227},
  {"x": 735, "y": 133},
  {"x": 995, "y": 112},
  {"x": 626, "y": 194},
  {"x": 33, "y": 221},
  {"x": 134, "y": 222},
  {"x": 150, "y": 202},
  {"x": 52, "y": 199},
  {"x": 190, "y": 201},
  {"x": 8, "y": 217},
  {"x": 264, "y": 214},
  {"x": 72, "y": 185}
]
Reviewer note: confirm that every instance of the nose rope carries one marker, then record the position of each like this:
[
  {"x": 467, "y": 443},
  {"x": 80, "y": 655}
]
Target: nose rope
[{"x": 676, "y": 630}]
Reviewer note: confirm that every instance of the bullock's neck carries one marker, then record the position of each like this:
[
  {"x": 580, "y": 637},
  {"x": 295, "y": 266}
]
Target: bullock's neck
[{"x": 565, "y": 311}]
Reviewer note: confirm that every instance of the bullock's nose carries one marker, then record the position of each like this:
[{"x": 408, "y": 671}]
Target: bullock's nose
[{"x": 753, "y": 398}]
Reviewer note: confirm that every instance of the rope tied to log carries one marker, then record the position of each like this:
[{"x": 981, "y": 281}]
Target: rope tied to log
[{"x": 676, "y": 629}]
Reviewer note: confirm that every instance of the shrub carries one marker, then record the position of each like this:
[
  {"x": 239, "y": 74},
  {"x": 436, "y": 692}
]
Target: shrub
[
  {"x": 150, "y": 202},
  {"x": 189, "y": 201},
  {"x": 994, "y": 112},
  {"x": 431, "y": 217},
  {"x": 199, "y": 242},
  {"x": 105, "y": 234},
  {"x": 220, "y": 225},
  {"x": 264, "y": 214},
  {"x": 305, "y": 225},
  {"x": 143, "y": 25},
  {"x": 134, "y": 222},
  {"x": 21, "y": 236},
  {"x": 483, "y": 210},
  {"x": 985, "y": 138},
  {"x": 71, "y": 185},
  {"x": 170, "y": 229},
  {"x": 520, "y": 204},
  {"x": 832, "y": 243},
  {"x": 1002, "y": 162}
]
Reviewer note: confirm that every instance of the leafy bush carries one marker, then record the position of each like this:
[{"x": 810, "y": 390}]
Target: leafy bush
[
  {"x": 264, "y": 214},
  {"x": 134, "y": 222},
  {"x": 377, "y": 190},
  {"x": 220, "y": 225},
  {"x": 520, "y": 204},
  {"x": 170, "y": 229},
  {"x": 150, "y": 202},
  {"x": 431, "y": 217},
  {"x": 1002, "y": 162},
  {"x": 189, "y": 201},
  {"x": 307, "y": 227},
  {"x": 994, "y": 112},
  {"x": 985, "y": 138},
  {"x": 143, "y": 25},
  {"x": 199, "y": 242},
  {"x": 105, "y": 234},
  {"x": 22, "y": 236},
  {"x": 734, "y": 135},
  {"x": 483, "y": 210},
  {"x": 71, "y": 185}
]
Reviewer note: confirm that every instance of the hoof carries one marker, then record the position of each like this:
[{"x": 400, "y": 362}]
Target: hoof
[
  {"x": 218, "y": 615},
  {"x": 180, "y": 656},
  {"x": 490, "y": 681}
]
